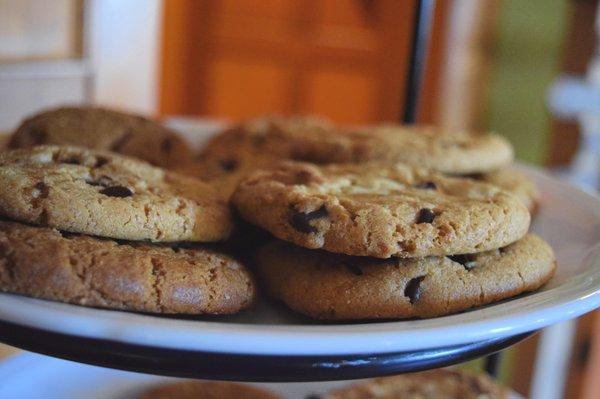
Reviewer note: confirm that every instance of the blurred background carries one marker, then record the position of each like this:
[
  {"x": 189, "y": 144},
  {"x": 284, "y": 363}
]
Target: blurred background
[{"x": 522, "y": 68}]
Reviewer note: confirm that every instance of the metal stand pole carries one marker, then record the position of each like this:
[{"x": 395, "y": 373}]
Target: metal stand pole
[
  {"x": 492, "y": 364},
  {"x": 418, "y": 57}
]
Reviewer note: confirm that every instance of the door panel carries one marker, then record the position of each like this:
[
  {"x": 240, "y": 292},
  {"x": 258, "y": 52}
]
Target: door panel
[
  {"x": 245, "y": 89},
  {"x": 343, "y": 59},
  {"x": 342, "y": 95}
]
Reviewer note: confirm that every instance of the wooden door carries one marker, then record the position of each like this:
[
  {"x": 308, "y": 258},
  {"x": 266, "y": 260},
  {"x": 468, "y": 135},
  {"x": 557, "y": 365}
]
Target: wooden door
[{"x": 345, "y": 59}]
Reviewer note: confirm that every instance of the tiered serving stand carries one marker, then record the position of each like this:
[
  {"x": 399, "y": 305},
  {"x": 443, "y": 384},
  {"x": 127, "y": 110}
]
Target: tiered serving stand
[{"x": 271, "y": 344}]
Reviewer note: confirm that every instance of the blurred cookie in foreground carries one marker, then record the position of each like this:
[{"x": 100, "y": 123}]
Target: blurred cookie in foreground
[
  {"x": 207, "y": 390},
  {"x": 104, "y": 129},
  {"x": 269, "y": 137},
  {"x": 331, "y": 286},
  {"x": 447, "y": 151},
  {"x": 434, "y": 384},
  {"x": 108, "y": 195},
  {"x": 315, "y": 140}
]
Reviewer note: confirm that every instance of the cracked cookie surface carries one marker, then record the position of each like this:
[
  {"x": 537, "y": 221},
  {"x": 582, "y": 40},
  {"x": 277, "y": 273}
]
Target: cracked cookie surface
[
  {"x": 45, "y": 263},
  {"x": 433, "y": 384},
  {"x": 380, "y": 210},
  {"x": 341, "y": 287},
  {"x": 108, "y": 195},
  {"x": 103, "y": 129}
]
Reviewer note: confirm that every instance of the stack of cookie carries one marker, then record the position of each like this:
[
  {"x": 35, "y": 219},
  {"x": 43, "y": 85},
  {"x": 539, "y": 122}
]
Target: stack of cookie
[
  {"x": 263, "y": 142},
  {"x": 77, "y": 225},
  {"x": 377, "y": 240},
  {"x": 379, "y": 222}
]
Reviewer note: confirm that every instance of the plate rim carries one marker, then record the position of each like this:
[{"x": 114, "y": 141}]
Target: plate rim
[
  {"x": 573, "y": 298},
  {"x": 243, "y": 367}
]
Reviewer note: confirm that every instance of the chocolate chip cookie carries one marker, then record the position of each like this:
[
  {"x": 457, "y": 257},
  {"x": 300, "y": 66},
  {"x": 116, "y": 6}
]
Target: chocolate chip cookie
[
  {"x": 207, "y": 390},
  {"x": 434, "y": 384},
  {"x": 340, "y": 287},
  {"x": 44, "y": 263},
  {"x": 318, "y": 141},
  {"x": 380, "y": 210},
  {"x": 104, "y": 129},
  {"x": 107, "y": 195}
]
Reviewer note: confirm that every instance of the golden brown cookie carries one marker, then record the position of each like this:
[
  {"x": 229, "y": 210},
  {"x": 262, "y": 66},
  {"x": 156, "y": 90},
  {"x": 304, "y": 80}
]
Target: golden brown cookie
[
  {"x": 334, "y": 286},
  {"x": 380, "y": 210},
  {"x": 434, "y": 384},
  {"x": 104, "y": 129},
  {"x": 207, "y": 390},
  {"x": 453, "y": 152},
  {"x": 45, "y": 263},
  {"x": 108, "y": 195}
]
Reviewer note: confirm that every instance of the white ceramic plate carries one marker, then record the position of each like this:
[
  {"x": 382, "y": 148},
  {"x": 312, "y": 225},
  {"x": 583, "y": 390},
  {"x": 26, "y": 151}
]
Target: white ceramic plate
[
  {"x": 33, "y": 376},
  {"x": 568, "y": 218}
]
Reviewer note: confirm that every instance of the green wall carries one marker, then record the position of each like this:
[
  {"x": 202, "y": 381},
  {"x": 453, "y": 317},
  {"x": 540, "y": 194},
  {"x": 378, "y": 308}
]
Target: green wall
[{"x": 526, "y": 57}]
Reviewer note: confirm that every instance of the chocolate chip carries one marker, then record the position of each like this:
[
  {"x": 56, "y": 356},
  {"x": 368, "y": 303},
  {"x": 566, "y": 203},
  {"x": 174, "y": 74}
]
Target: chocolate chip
[
  {"x": 121, "y": 242},
  {"x": 425, "y": 215},
  {"x": 100, "y": 162},
  {"x": 428, "y": 185},
  {"x": 312, "y": 396},
  {"x": 228, "y": 164},
  {"x": 166, "y": 145},
  {"x": 354, "y": 268},
  {"x": 301, "y": 220},
  {"x": 467, "y": 260},
  {"x": 413, "y": 289},
  {"x": 71, "y": 161},
  {"x": 67, "y": 235},
  {"x": 474, "y": 176},
  {"x": 117, "y": 191}
]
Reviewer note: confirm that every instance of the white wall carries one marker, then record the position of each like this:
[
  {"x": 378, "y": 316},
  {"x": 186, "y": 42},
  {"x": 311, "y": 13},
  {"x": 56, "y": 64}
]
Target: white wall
[{"x": 123, "y": 50}]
